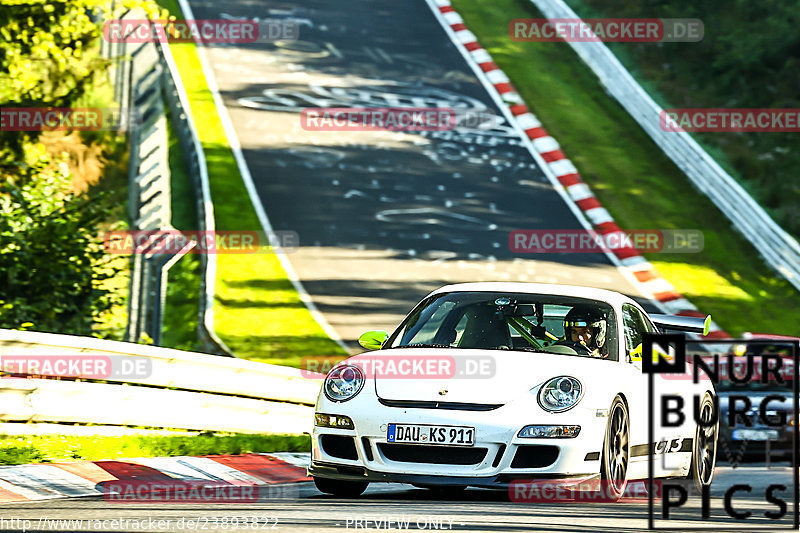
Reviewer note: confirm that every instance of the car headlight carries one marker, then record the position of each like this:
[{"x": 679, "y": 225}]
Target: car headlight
[
  {"x": 333, "y": 421},
  {"x": 343, "y": 382},
  {"x": 554, "y": 432},
  {"x": 560, "y": 394}
]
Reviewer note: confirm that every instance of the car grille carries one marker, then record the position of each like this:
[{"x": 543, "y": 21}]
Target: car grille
[
  {"x": 536, "y": 456},
  {"x": 456, "y": 406},
  {"x": 339, "y": 446},
  {"x": 438, "y": 455}
]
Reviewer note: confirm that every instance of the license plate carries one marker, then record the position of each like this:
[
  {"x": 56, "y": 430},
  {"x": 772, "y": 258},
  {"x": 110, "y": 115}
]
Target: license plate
[
  {"x": 755, "y": 434},
  {"x": 428, "y": 434}
]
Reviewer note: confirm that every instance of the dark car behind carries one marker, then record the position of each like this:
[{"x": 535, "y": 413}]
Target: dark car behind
[{"x": 751, "y": 435}]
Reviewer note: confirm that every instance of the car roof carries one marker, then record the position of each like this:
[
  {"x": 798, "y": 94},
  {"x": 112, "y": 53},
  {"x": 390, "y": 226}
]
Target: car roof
[{"x": 577, "y": 291}]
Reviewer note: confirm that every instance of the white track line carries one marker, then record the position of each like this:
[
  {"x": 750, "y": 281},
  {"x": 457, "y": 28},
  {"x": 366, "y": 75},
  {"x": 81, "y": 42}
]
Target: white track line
[{"x": 236, "y": 147}]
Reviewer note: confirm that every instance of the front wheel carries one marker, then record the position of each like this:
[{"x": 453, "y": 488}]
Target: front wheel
[
  {"x": 341, "y": 488},
  {"x": 704, "y": 447},
  {"x": 616, "y": 452}
]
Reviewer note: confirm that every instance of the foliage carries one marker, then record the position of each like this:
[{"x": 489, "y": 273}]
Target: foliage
[
  {"x": 50, "y": 261},
  {"x": 749, "y": 57},
  {"x": 45, "y": 60},
  {"x": 20, "y": 455}
]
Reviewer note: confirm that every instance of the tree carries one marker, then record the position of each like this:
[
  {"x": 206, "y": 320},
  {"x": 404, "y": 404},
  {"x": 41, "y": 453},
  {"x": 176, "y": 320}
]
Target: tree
[{"x": 50, "y": 260}]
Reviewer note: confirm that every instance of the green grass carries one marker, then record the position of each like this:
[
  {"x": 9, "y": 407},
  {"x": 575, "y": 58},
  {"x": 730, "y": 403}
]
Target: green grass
[
  {"x": 181, "y": 308},
  {"x": 183, "y": 287},
  {"x": 634, "y": 180},
  {"x": 258, "y": 314},
  {"x": 16, "y": 450}
]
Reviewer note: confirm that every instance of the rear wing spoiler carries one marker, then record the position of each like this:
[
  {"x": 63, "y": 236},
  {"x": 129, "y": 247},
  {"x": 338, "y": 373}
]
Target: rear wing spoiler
[{"x": 693, "y": 324}]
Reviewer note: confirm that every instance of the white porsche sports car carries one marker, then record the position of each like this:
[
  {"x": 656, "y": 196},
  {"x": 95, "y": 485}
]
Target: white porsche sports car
[{"x": 483, "y": 384}]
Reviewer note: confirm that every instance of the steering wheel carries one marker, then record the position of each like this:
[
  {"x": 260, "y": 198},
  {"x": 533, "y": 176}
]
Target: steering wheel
[{"x": 578, "y": 347}]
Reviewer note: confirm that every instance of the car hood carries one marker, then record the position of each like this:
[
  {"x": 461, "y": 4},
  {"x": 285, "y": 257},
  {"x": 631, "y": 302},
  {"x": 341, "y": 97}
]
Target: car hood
[{"x": 470, "y": 376}]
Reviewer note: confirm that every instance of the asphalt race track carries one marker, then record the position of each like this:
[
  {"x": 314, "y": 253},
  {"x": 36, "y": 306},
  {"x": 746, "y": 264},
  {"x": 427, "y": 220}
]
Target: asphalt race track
[
  {"x": 474, "y": 510},
  {"x": 385, "y": 217}
]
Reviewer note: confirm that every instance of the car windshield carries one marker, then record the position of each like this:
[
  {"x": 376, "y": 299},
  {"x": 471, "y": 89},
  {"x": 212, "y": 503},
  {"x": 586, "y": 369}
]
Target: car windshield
[{"x": 511, "y": 321}]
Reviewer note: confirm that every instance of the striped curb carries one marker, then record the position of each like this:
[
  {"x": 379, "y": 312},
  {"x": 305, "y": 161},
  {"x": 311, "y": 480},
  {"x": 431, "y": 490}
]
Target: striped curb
[
  {"x": 578, "y": 192},
  {"x": 35, "y": 482}
]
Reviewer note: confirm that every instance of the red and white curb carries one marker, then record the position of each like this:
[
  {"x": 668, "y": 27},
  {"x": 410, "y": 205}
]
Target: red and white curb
[
  {"x": 34, "y": 482},
  {"x": 560, "y": 170}
]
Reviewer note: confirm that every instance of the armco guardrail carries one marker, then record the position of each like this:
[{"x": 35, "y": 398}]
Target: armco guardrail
[
  {"x": 780, "y": 250},
  {"x": 141, "y": 100},
  {"x": 194, "y": 156},
  {"x": 43, "y": 400},
  {"x": 182, "y": 389},
  {"x": 145, "y": 77}
]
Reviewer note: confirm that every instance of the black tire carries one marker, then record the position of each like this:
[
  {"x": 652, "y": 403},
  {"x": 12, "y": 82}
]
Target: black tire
[
  {"x": 616, "y": 452},
  {"x": 704, "y": 447},
  {"x": 341, "y": 488}
]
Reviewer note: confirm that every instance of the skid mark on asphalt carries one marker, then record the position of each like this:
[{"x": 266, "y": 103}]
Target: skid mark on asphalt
[{"x": 437, "y": 204}]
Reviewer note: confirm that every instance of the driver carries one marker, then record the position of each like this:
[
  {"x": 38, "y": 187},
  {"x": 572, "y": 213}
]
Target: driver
[{"x": 585, "y": 331}]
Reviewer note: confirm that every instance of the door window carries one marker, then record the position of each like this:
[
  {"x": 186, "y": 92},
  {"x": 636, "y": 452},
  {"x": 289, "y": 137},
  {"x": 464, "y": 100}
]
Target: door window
[{"x": 635, "y": 325}]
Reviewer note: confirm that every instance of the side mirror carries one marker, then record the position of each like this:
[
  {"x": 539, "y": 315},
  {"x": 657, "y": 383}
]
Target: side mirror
[{"x": 373, "y": 340}]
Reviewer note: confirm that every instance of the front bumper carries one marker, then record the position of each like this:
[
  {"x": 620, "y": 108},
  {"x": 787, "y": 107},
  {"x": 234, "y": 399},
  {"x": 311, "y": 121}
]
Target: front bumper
[
  {"x": 368, "y": 456},
  {"x": 498, "y": 481}
]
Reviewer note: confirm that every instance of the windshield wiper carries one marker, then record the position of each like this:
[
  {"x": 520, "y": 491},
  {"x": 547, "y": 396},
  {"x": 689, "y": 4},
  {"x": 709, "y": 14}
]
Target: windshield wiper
[{"x": 423, "y": 345}]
